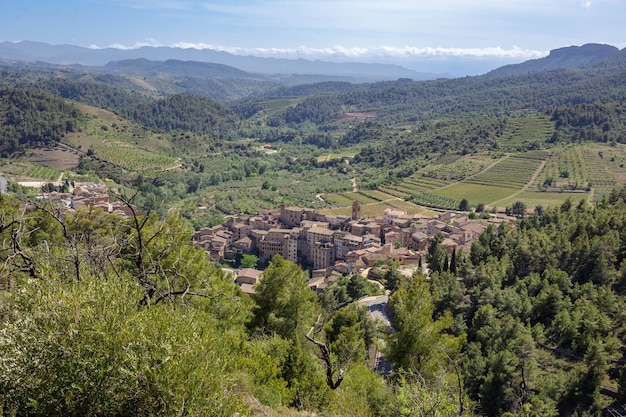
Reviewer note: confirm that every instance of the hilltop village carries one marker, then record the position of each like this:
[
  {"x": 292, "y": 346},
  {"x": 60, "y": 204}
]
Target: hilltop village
[{"x": 333, "y": 245}]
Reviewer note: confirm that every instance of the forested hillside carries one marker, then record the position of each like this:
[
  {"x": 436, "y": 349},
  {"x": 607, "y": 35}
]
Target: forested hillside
[{"x": 30, "y": 118}]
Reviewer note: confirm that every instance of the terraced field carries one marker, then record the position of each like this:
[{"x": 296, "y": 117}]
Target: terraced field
[
  {"x": 503, "y": 179},
  {"x": 27, "y": 170},
  {"x": 522, "y": 131},
  {"x": 589, "y": 168},
  {"x": 565, "y": 168},
  {"x": 514, "y": 171},
  {"x": 600, "y": 179},
  {"x": 578, "y": 172}
]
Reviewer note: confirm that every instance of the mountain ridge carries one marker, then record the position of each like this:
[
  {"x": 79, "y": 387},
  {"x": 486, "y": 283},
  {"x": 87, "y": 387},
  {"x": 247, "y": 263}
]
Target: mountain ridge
[
  {"x": 566, "y": 57},
  {"x": 71, "y": 54}
]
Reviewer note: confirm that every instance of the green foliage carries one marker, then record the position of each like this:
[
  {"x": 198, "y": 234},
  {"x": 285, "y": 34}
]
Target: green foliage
[
  {"x": 357, "y": 286},
  {"x": 419, "y": 345},
  {"x": 393, "y": 277},
  {"x": 437, "y": 258},
  {"x": 84, "y": 348},
  {"x": 185, "y": 112},
  {"x": 364, "y": 393},
  {"x": 464, "y": 205},
  {"x": 348, "y": 334},
  {"x": 249, "y": 261},
  {"x": 284, "y": 302},
  {"x": 30, "y": 118}
]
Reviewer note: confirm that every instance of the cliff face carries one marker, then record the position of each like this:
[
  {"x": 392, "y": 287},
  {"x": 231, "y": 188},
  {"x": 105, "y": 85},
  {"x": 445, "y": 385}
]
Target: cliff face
[{"x": 568, "y": 57}]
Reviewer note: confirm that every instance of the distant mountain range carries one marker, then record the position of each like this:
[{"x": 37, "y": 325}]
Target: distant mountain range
[
  {"x": 209, "y": 64},
  {"x": 70, "y": 55}
]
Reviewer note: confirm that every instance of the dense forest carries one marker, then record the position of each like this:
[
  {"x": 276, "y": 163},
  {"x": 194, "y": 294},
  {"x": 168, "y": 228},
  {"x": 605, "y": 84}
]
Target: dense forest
[{"x": 31, "y": 118}]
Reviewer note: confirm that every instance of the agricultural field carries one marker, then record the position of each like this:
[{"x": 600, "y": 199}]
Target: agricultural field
[
  {"x": 434, "y": 200},
  {"x": 593, "y": 168},
  {"x": 118, "y": 143},
  {"x": 338, "y": 199},
  {"x": 331, "y": 156},
  {"x": 360, "y": 197},
  {"x": 393, "y": 191},
  {"x": 476, "y": 193},
  {"x": 533, "y": 199},
  {"x": 565, "y": 169},
  {"x": 514, "y": 171},
  {"x": 425, "y": 183},
  {"x": 377, "y": 209},
  {"x": 410, "y": 208},
  {"x": 522, "y": 131},
  {"x": 459, "y": 169},
  {"x": 59, "y": 158},
  {"x": 600, "y": 179},
  {"x": 30, "y": 171},
  {"x": 614, "y": 159},
  {"x": 376, "y": 195}
]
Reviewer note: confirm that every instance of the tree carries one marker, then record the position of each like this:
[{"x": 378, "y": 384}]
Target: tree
[
  {"x": 357, "y": 286},
  {"x": 453, "y": 262},
  {"x": 436, "y": 256},
  {"x": 518, "y": 209},
  {"x": 464, "y": 205},
  {"x": 284, "y": 302},
  {"x": 348, "y": 334},
  {"x": 249, "y": 261},
  {"x": 419, "y": 344},
  {"x": 393, "y": 277}
]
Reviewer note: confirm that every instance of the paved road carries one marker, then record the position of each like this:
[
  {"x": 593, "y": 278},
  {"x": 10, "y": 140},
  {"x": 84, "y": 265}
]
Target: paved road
[{"x": 377, "y": 306}]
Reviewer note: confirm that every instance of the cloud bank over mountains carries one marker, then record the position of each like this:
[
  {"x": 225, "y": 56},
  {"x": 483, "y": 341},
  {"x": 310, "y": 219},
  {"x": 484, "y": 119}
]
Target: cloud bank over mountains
[{"x": 338, "y": 52}]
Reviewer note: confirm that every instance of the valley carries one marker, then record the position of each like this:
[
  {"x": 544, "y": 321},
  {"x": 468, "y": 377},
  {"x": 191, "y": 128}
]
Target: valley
[{"x": 139, "y": 197}]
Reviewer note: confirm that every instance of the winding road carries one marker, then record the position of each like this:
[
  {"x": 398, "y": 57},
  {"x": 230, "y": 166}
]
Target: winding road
[{"x": 377, "y": 306}]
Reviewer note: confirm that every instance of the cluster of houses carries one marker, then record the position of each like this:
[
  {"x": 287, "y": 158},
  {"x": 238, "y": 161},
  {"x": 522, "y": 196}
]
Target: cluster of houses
[
  {"x": 333, "y": 245},
  {"x": 329, "y": 245},
  {"x": 87, "y": 195}
]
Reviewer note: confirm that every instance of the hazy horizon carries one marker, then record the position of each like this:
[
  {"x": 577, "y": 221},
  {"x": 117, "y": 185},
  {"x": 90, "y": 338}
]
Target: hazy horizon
[{"x": 414, "y": 34}]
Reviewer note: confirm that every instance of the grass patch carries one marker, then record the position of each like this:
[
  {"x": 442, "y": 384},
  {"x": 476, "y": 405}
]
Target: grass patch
[{"x": 546, "y": 199}]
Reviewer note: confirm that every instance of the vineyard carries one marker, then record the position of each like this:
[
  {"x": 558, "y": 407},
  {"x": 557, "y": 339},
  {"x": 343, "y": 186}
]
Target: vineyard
[
  {"x": 458, "y": 170},
  {"x": 565, "y": 169},
  {"x": 591, "y": 167},
  {"x": 427, "y": 199},
  {"x": 514, "y": 171},
  {"x": 26, "y": 170},
  {"x": 599, "y": 177},
  {"x": 533, "y": 199},
  {"x": 522, "y": 131},
  {"x": 127, "y": 157}
]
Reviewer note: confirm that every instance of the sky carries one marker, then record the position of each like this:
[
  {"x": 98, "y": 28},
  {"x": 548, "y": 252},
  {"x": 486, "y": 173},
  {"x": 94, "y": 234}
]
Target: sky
[{"x": 339, "y": 30}]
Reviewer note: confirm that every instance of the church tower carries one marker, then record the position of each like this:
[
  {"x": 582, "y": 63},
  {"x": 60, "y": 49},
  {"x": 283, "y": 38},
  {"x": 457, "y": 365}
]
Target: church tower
[{"x": 356, "y": 210}]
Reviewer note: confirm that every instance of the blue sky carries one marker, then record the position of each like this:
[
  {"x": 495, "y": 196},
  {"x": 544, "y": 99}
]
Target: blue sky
[{"x": 354, "y": 30}]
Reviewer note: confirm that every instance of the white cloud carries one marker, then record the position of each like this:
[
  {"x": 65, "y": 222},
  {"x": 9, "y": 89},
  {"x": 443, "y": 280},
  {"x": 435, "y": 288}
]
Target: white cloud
[
  {"x": 339, "y": 52},
  {"x": 137, "y": 45}
]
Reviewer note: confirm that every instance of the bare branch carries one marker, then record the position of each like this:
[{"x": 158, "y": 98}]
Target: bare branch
[{"x": 325, "y": 351}]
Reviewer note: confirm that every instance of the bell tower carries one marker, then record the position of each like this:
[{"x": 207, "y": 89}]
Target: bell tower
[{"x": 356, "y": 210}]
